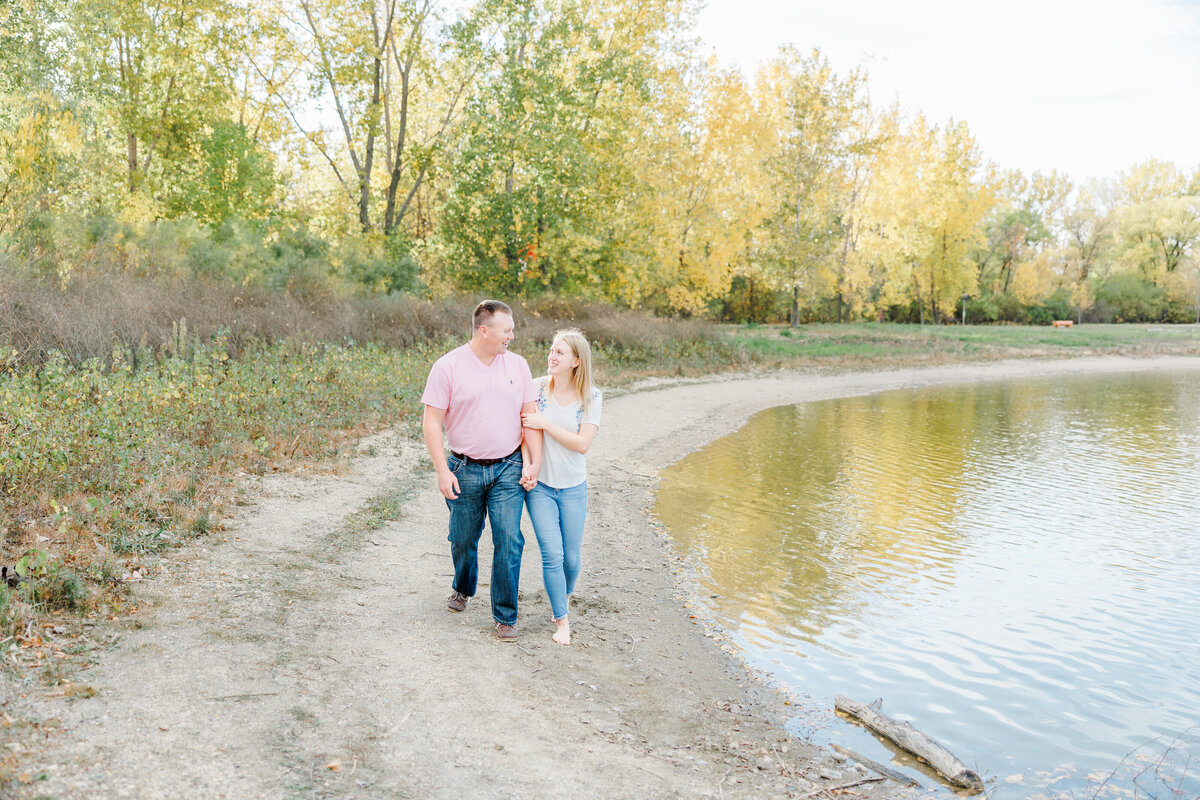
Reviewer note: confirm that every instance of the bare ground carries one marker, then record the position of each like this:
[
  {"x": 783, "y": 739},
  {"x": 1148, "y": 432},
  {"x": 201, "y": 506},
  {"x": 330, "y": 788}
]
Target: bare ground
[{"x": 306, "y": 651}]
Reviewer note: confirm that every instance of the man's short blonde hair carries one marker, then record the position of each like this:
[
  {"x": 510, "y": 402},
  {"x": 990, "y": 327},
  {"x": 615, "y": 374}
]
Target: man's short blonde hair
[{"x": 486, "y": 310}]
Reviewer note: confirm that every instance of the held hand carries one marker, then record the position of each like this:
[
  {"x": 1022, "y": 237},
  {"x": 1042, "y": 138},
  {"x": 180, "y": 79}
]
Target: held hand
[
  {"x": 529, "y": 477},
  {"x": 448, "y": 485},
  {"x": 534, "y": 420}
]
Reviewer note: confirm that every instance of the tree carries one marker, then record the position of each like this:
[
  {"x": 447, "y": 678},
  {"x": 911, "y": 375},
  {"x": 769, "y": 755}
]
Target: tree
[
  {"x": 395, "y": 81},
  {"x": 542, "y": 179},
  {"x": 813, "y": 174},
  {"x": 701, "y": 158},
  {"x": 40, "y": 138},
  {"x": 1088, "y": 230},
  {"x": 954, "y": 206},
  {"x": 1026, "y": 219},
  {"x": 924, "y": 217},
  {"x": 232, "y": 177},
  {"x": 1153, "y": 238},
  {"x": 1146, "y": 181},
  {"x": 153, "y": 73}
]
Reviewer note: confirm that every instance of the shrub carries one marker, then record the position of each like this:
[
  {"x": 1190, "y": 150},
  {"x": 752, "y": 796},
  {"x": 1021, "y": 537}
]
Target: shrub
[
  {"x": 982, "y": 310},
  {"x": 1127, "y": 298},
  {"x": 60, "y": 589}
]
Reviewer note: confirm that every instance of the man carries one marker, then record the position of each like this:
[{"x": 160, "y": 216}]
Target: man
[{"x": 478, "y": 392}]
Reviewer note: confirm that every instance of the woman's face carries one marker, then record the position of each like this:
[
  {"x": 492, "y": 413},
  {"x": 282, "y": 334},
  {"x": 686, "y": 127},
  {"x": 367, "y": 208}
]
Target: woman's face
[{"x": 561, "y": 359}]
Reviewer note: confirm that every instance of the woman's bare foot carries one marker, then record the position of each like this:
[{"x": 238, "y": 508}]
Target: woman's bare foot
[{"x": 563, "y": 634}]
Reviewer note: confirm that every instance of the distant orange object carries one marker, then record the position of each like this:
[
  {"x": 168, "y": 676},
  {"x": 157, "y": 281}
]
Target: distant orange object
[{"x": 1062, "y": 323}]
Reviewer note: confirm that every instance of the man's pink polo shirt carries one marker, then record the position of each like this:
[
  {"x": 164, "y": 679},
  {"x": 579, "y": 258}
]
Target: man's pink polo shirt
[{"x": 482, "y": 403}]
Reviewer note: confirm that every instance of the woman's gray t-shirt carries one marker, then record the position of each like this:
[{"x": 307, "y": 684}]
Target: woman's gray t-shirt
[{"x": 563, "y": 468}]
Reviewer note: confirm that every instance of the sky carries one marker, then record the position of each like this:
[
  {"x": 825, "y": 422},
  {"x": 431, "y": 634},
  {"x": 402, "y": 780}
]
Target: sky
[{"x": 1087, "y": 87}]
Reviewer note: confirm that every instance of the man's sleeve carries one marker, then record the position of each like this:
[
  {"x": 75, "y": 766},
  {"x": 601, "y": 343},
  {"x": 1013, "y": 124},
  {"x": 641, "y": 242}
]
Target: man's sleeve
[
  {"x": 531, "y": 388},
  {"x": 437, "y": 388}
]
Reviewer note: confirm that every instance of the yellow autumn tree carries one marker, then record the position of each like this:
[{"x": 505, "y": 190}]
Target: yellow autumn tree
[
  {"x": 938, "y": 229},
  {"x": 812, "y": 173},
  {"x": 700, "y": 154}
]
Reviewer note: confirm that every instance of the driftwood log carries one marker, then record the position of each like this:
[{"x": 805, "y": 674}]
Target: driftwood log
[
  {"x": 887, "y": 772},
  {"x": 913, "y": 741}
]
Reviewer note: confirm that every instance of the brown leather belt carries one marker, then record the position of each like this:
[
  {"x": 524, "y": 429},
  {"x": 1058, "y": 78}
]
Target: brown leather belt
[{"x": 483, "y": 462}]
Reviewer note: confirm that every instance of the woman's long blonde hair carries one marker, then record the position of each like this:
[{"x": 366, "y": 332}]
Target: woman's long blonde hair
[{"x": 581, "y": 373}]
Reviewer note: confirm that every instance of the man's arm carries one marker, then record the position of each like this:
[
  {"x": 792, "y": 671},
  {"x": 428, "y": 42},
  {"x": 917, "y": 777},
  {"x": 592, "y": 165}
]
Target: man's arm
[
  {"x": 431, "y": 425},
  {"x": 532, "y": 443}
]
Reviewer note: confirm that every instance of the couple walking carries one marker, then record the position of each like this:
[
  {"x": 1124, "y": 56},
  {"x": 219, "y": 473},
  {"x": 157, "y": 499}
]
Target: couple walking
[{"x": 515, "y": 441}]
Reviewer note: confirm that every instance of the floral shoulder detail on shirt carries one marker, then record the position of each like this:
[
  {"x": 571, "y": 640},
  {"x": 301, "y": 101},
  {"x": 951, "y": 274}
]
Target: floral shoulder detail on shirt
[
  {"x": 579, "y": 410},
  {"x": 542, "y": 383}
]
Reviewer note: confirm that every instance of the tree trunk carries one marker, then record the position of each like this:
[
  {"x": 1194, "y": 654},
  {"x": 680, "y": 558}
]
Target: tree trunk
[
  {"x": 364, "y": 178},
  {"x": 795, "y": 314},
  {"x": 390, "y": 220},
  {"x": 132, "y": 156},
  {"x": 933, "y": 307}
]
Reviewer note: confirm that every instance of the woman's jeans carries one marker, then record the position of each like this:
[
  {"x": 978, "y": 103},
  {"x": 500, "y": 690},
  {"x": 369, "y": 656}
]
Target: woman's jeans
[
  {"x": 494, "y": 490},
  {"x": 558, "y": 516}
]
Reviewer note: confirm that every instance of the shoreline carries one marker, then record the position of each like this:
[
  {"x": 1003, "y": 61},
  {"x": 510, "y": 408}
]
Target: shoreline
[{"x": 301, "y": 652}]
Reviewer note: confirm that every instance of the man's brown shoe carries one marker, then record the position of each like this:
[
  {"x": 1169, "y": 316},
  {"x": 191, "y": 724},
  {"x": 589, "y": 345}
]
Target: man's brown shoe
[
  {"x": 457, "y": 601},
  {"x": 506, "y": 633}
]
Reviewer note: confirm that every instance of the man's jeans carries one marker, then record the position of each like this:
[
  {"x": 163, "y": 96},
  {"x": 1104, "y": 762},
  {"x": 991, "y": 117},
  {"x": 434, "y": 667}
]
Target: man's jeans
[
  {"x": 494, "y": 490},
  {"x": 558, "y": 516}
]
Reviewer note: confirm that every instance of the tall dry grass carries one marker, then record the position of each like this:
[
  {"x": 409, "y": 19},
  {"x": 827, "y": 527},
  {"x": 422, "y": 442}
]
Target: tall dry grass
[{"x": 93, "y": 316}]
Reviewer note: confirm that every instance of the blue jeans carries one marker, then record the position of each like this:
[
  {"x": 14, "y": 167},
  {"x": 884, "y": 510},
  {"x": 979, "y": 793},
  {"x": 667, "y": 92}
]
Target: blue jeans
[
  {"x": 494, "y": 490},
  {"x": 558, "y": 516}
]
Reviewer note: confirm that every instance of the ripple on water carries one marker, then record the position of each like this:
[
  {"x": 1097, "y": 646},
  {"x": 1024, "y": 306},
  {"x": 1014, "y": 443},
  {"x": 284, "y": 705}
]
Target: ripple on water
[{"x": 1011, "y": 563}]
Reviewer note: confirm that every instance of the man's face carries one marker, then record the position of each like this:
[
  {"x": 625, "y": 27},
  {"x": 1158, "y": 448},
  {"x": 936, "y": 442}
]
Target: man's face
[{"x": 499, "y": 332}]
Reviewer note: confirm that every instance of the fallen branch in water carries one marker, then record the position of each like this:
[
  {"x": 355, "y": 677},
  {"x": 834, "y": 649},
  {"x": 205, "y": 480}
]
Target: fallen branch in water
[
  {"x": 840, "y": 787},
  {"x": 914, "y": 741},
  {"x": 887, "y": 772}
]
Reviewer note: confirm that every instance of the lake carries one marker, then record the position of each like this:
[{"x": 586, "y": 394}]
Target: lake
[{"x": 1012, "y": 566}]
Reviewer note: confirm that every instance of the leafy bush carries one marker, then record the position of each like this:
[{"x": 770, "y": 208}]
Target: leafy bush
[
  {"x": 1010, "y": 309},
  {"x": 982, "y": 310},
  {"x": 1127, "y": 298}
]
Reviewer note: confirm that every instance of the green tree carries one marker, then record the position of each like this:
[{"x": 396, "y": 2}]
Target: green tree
[
  {"x": 541, "y": 179},
  {"x": 233, "y": 178},
  {"x": 155, "y": 75},
  {"x": 395, "y": 79}
]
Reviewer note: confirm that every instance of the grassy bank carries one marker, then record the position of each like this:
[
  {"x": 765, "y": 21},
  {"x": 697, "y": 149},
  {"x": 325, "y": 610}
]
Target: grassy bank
[{"x": 873, "y": 346}]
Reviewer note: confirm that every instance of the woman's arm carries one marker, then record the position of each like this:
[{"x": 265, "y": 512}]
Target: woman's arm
[{"x": 579, "y": 442}]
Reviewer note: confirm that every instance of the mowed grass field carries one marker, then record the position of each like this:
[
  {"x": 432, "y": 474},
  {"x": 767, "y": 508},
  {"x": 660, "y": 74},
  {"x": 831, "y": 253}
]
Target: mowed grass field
[{"x": 873, "y": 346}]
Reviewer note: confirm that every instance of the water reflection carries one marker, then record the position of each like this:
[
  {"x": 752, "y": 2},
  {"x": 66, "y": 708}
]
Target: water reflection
[{"x": 1009, "y": 564}]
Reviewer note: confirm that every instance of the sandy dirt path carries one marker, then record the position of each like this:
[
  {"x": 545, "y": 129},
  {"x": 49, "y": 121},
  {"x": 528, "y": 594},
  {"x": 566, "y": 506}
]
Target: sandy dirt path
[{"x": 306, "y": 651}]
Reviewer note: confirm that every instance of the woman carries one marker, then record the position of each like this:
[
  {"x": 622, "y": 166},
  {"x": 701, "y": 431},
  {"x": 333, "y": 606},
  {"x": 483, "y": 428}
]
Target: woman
[{"x": 568, "y": 414}]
